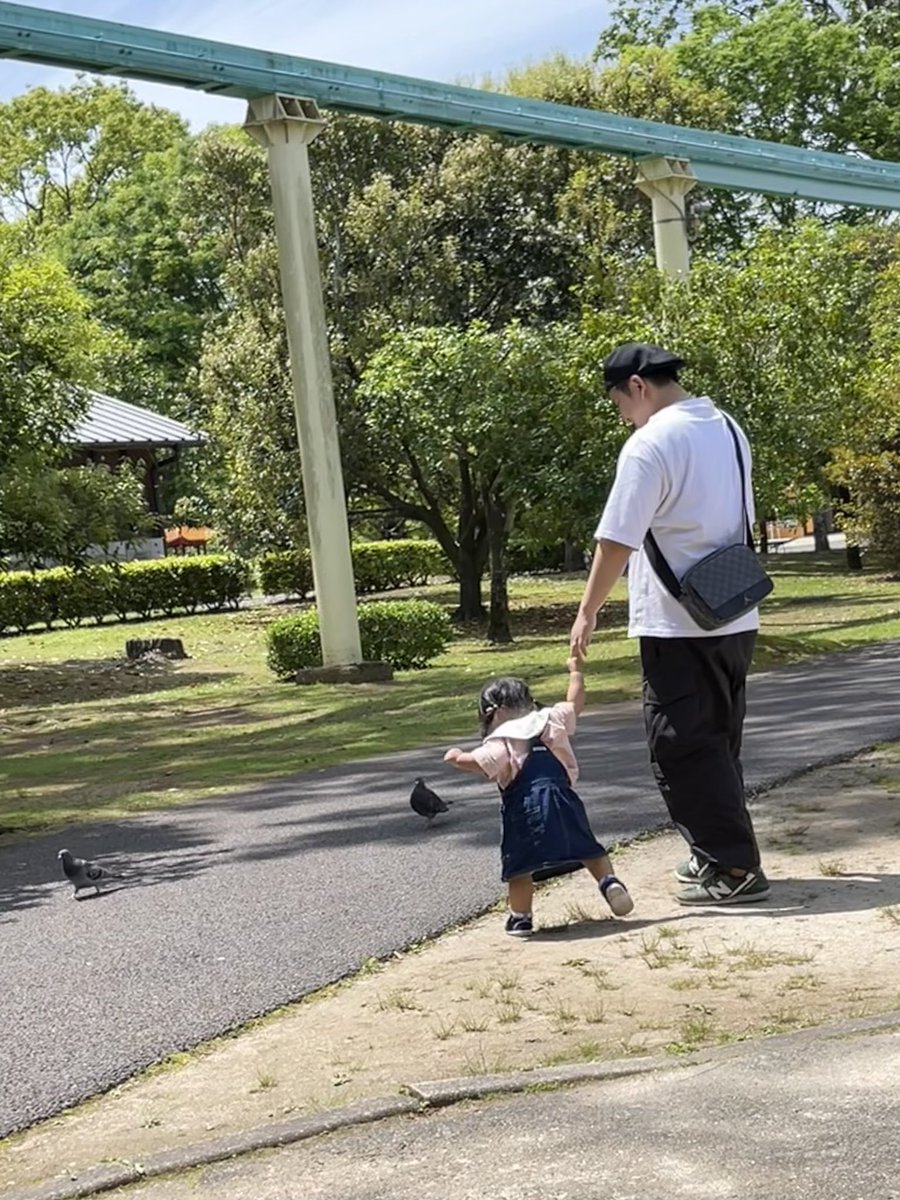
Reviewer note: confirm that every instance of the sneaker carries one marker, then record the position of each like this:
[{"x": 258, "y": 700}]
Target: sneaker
[
  {"x": 691, "y": 870},
  {"x": 715, "y": 886},
  {"x": 616, "y": 895},
  {"x": 518, "y": 926}
]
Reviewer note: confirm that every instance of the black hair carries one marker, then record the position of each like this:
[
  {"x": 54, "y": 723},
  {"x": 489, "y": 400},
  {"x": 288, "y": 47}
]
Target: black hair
[
  {"x": 662, "y": 376},
  {"x": 510, "y": 693}
]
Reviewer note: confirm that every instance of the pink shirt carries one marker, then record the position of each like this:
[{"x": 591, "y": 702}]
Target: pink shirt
[{"x": 504, "y": 750}]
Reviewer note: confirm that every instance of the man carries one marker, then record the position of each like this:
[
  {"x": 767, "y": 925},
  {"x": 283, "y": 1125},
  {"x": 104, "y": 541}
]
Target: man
[{"x": 678, "y": 477}]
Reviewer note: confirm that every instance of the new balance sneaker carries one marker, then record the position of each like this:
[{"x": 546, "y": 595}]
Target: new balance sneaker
[
  {"x": 715, "y": 886},
  {"x": 616, "y": 895},
  {"x": 691, "y": 870},
  {"x": 519, "y": 925}
]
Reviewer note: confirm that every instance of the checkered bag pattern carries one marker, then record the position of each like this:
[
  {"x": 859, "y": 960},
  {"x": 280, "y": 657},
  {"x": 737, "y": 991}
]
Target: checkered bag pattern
[{"x": 724, "y": 585}]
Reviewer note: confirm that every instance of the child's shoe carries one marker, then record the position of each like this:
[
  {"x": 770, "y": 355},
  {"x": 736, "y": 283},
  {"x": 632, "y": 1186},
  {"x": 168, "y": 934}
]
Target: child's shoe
[
  {"x": 616, "y": 895},
  {"x": 519, "y": 925}
]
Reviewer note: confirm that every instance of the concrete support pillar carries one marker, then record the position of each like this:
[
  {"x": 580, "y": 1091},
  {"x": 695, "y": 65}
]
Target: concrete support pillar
[
  {"x": 286, "y": 125},
  {"x": 667, "y": 181}
]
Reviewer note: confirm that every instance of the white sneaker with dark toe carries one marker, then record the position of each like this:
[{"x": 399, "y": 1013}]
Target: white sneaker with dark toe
[{"x": 616, "y": 895}]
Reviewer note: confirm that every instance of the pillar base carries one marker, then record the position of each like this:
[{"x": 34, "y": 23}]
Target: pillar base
[{"x": 364, "y": 672}]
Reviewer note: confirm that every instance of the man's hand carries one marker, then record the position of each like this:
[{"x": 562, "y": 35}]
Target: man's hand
[{"x": 582, "y": 632}]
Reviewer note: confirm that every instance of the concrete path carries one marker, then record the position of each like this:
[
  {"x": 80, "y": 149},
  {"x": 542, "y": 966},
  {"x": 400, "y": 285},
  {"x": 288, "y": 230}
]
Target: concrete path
[
  {"x": 794, "y": 1118},
  {"x": 234, "y": 907}
]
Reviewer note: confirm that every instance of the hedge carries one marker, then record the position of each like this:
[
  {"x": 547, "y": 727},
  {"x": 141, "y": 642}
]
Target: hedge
[
  {"x": 285, "y": 573},
  {"x": 377, "y": 567},
  {"x": 167, "y": 586},
  {"x": 405, "y": 633},
  {"x": 381, "y": 566}
]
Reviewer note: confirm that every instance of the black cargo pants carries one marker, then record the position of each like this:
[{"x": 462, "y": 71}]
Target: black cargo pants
[{"x": 694, "y": 703}]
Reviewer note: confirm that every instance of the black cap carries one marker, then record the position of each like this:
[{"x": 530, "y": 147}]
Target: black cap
[{"x": 637, "y": 358}]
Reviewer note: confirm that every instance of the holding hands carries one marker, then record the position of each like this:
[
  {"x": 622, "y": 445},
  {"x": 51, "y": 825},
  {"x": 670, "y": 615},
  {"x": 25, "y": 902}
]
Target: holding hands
[{"x": 582, "y": 632}]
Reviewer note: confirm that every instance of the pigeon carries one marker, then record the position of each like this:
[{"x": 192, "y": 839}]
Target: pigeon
[
  {"x": 82, "y": 873},
  {"x": 425, "y": 802}
]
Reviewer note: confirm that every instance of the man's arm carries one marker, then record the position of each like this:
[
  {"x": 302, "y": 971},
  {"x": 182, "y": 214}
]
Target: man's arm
[
  {"x": 635, "y": 496},
  {"x": 609, "y": 563}
]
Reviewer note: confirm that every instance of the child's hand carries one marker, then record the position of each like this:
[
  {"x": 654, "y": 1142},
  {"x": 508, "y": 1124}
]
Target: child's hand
[
  {"x": 452, "y": 754},
  {"x": 575, "y": 663}
]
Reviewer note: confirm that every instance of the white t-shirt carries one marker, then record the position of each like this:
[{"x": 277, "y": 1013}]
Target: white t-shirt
[{"x": 677, "y": 475}]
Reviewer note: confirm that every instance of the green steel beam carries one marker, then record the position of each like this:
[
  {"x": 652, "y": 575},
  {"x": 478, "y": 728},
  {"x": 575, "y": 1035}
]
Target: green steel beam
[{"x": 718, "y": 160}]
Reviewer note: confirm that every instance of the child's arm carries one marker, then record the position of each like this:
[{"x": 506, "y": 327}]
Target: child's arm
[
  {"x": 464, "y": 760},
  {"x": 575, "y": 694}
]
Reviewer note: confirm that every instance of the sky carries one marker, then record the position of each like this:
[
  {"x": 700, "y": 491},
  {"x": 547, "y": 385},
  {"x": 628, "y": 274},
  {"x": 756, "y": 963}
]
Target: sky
[{"x": 445, "y": 40}]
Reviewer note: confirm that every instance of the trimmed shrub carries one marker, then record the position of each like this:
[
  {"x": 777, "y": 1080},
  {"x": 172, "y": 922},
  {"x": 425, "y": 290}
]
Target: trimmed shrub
[
  {"x": 377, "y": 567},
  {"x": 76, "y": 596},
  {"x": 406, "y": 633},
  {"x": 382, "y": 566},
  {"x": 24, "y": 601},
  {"x": 285, "y": 572},
  {"x": 167, "y": 585}
]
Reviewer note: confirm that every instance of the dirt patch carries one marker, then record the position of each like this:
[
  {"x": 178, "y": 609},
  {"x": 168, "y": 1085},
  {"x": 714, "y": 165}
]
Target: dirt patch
[{"x": 826, "y": 946}]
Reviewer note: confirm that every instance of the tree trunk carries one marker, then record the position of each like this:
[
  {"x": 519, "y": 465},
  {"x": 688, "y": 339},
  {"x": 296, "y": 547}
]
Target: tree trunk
[
  {"x": 574, "y": 557},
  {"x": 470, "y": 567},
  {"x": 499, "y": 631},
  {"x": 820, "y": 531},
  {"x": 764, "y": 536},
  {"x": 854, "y": 555},
  {"x": 467, "y": 552}
]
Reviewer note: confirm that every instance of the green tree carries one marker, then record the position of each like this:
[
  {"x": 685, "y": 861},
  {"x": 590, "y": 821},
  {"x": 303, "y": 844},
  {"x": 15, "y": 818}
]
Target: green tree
[
  {"x": 812, "y": 73},
  {"x": 50, "y": 350},
  {"x": 103, "y": 181},
  {"x": 61, "y": 151},
  {"x": 48, "y": 344},
  {"x": 866, "y": 463},
  {"x": 474, "y": 428},
  {"x": 148, "y": 271},
  {"x": 251, "y": 470},
  {"x": 57, "y": 514},
  {"x": 779, "y": 336}
]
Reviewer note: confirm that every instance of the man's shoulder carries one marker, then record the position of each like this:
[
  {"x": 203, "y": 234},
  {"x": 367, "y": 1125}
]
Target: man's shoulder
[
  {"x": 656, "y": 438},
  {"x": 642, "y": 443}
]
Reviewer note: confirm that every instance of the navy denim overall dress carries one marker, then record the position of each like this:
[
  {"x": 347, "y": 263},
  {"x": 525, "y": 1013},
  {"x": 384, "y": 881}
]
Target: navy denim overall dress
[{"x": 545, "y": 827}]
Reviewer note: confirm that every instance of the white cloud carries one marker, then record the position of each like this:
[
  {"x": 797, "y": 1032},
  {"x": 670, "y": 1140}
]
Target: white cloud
[{"x": 437, "y": 39}]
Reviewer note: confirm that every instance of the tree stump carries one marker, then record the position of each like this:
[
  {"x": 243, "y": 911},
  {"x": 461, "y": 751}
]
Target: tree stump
[{"x": 164, "y": 647}]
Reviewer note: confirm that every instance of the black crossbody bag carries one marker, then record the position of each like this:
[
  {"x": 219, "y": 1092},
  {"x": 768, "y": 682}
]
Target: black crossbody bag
[{"x": 725, "y": 584}]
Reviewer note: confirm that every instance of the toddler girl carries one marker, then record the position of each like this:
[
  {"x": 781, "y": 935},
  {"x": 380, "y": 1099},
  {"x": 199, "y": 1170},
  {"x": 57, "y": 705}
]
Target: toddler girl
[{"x": 526, "y": 751}]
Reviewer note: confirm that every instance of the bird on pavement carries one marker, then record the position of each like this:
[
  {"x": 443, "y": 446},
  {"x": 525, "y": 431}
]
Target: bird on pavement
[
  {"x": 425, "y": 802},
  {"x": 82, "y": 873}
]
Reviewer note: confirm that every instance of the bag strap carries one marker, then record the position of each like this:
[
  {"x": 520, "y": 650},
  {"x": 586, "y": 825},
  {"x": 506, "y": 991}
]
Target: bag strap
[
  {"x": 740, "y": 460},
  {"x": 661, "y": 567},
  {"x": 651, "y": 546}
]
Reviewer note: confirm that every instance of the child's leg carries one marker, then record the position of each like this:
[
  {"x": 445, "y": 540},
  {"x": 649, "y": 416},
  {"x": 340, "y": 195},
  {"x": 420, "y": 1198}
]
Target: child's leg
[
  {"x": 599, "y": 867},
  {"x": 521, "y": 893},
  {"x": 612, "y": 889}
]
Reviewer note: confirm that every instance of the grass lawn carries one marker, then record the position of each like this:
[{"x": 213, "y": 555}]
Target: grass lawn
[{"x": 87, "y": 735}]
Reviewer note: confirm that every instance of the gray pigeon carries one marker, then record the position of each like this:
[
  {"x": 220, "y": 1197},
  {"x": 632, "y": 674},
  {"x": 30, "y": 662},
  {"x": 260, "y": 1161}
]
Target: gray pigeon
[
  {"x": 425, "y": 802},
  {"x": 82, "y": 873}
]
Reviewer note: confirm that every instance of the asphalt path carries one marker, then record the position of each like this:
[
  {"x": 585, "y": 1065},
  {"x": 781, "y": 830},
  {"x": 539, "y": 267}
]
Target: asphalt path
[{"x": 233, "y": 907}]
